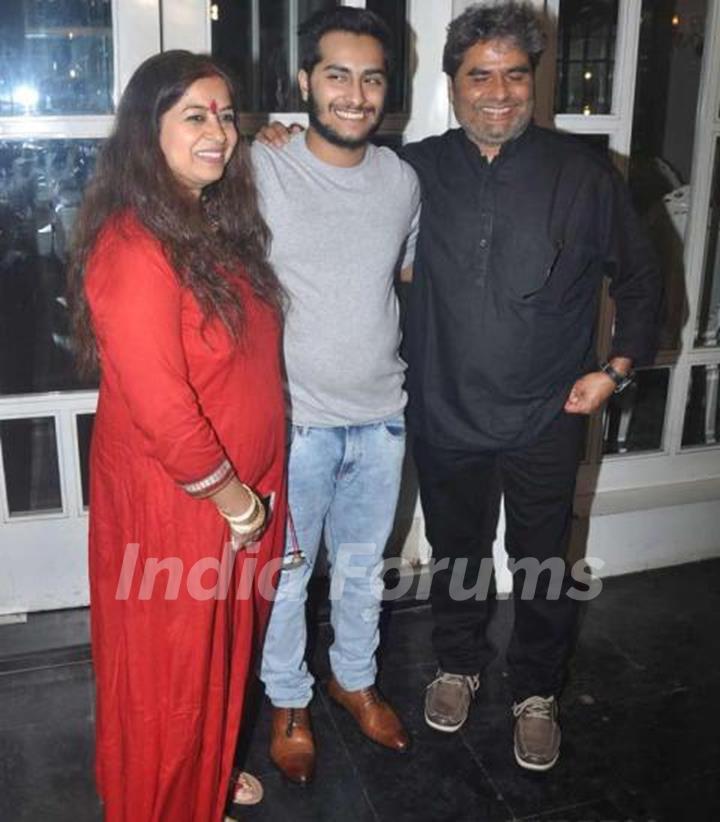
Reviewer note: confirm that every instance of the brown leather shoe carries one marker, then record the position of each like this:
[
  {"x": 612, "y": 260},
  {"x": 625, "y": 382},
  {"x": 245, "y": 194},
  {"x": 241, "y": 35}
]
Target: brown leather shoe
[
  {"x": 376, "y": 718},
  {"x": 292, "y": 747}
]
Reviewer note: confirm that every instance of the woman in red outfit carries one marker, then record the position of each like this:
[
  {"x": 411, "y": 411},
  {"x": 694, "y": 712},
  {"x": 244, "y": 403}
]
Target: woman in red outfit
[{"x": 174, "y": 297}]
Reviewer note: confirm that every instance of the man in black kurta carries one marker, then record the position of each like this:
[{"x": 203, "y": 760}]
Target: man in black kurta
[{"x": 519, "y": 226}]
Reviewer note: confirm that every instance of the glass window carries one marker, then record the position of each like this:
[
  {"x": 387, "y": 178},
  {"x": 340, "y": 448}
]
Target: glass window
[
  {"x": 668, "y": 84},
  {"x": 635, "y": 419},
  {"x": 84, "y": 423},
  {"x": 586, "y": 56},
  {"x": 30, "y": 461},
  {"x": 259, "y": 42},
  {"x": 56, "y": 57},
  {"x": 394, "y": 13},
  {"x": 708, "y": 326},
  {"x": 702, "y": 420},
  {"x": 41, "y": 183}
]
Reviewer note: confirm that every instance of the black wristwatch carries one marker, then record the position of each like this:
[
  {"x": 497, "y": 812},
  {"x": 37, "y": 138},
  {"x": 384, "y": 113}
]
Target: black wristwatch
[{"x": 621, "y": 380}]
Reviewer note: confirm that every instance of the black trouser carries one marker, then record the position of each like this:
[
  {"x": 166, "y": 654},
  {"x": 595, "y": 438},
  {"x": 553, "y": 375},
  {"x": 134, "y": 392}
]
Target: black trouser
[{"x": 459, "y": 492}]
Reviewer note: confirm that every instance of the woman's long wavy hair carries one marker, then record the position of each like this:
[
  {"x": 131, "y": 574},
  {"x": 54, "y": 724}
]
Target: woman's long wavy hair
[{"x": 222, "y": 230}]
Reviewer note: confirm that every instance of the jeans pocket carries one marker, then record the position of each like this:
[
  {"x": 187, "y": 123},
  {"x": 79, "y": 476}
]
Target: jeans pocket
[
  {"x": 297, "y": 431},
  {"x": 395, "y": 428}
]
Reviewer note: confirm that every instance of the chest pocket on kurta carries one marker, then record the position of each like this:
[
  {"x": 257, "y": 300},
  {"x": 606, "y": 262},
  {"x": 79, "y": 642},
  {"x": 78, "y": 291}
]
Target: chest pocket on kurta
[{"x": 537, "y": 271}]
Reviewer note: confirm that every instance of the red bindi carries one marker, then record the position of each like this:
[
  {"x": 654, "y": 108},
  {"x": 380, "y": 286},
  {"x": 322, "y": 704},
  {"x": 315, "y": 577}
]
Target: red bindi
[{"x": 213, "y": 106}]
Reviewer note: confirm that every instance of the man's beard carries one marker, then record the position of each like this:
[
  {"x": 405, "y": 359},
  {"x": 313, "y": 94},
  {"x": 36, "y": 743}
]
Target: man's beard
[
  {"x": 505, "y": 136},
  {"x": 497, "y": 136},
  {"x": 333, "y": 137}
]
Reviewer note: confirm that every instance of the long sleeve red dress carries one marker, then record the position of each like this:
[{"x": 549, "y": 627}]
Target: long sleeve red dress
[{"x": 174, "y": 612}]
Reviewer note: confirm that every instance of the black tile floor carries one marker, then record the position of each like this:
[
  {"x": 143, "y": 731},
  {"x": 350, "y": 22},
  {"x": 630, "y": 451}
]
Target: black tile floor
[{"x": 640, "y": 715}]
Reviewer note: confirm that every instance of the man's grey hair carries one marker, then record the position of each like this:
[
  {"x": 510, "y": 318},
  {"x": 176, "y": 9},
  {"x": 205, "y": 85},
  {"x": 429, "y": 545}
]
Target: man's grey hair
[{"x": 518, "y": 22}]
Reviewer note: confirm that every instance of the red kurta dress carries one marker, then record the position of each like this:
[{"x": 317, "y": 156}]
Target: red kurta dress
[{"x": 171, "y": 652}]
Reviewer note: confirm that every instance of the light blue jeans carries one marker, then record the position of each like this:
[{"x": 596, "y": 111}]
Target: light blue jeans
[{"x": 342, "y": 482}]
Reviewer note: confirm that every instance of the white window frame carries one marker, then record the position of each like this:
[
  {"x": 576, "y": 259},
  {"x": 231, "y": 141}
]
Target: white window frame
[
  {"x": 692, "y": 473},
  {"x": 618, "y": 124},
  {"x": 44, "y": 552},
  {"x": 63, "y": 408},
  {"x": 136, "y": 36}
]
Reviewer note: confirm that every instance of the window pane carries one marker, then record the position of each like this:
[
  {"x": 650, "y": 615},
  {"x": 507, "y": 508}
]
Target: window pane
[
  {"x": 702, "y": 421},
  {"x": 84, "y": 424},
  {"x": 668, "y": 83},
  {"x": 634, "y": 419},
  {"x": 56, "y": 57},
  {"x": 586, "y": 56},
  {"x": 41, "y": 183},
  {"x": 30, "y": 461},
  {"x": 708, "y": 330},
  {"x": 259, "y": 42},
  {"x": 394, "y": 13}
]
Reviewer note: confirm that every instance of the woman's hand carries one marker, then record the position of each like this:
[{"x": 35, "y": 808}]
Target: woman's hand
[{"x": 244, "y": 511}]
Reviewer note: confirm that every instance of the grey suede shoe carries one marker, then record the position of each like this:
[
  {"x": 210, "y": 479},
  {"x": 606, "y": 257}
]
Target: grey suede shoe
[
  {"x": 447, "y": 700},
  {"x": 537, "y": 733}
]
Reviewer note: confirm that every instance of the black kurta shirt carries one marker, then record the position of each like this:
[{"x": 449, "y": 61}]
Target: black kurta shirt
[{"x": 510, "y": 259}]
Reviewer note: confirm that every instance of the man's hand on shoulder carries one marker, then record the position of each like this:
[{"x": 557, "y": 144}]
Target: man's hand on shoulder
[{"x": 276, "y": 134}]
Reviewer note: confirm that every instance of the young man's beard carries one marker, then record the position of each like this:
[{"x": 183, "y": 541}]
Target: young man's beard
[{"x": 332, "y": 136}]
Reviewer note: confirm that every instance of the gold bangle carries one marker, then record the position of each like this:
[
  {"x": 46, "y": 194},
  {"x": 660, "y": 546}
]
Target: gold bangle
[
  {"x": 251, "y": 511},
  {"x": 243, "y": 529}
]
